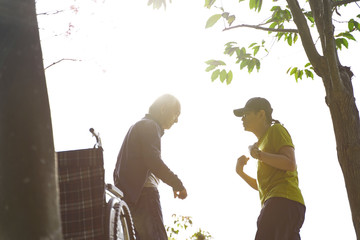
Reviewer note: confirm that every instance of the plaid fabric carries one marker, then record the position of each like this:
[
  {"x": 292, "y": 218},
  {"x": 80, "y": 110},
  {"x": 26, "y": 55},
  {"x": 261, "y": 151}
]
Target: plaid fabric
[{"x": 82, "y": 194}]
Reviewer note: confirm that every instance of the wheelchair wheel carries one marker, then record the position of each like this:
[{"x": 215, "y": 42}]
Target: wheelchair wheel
[
  {"x": 126, "y": 218},
  {"x": 119, "y": 222}
]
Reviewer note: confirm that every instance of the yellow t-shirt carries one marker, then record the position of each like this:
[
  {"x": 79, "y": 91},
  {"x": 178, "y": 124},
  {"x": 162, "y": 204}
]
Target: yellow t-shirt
[{"x": 274, "y": 182}]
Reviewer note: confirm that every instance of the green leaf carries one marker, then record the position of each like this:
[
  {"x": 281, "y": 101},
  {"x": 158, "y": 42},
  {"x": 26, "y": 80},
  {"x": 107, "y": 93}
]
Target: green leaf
[
  {"x": 222, "y": 75},
  {"x": 338, "y": 43},
  {"x": 256, "y": 49},
  {"x": 258, "y": 5},
  {"x": 244, "y": 63},
  {"x": 230, "y": 51},
  {"x": 296, "y": 36},
  {"x": 229, "y": 44},
  {"x": 288, "y": 70},
  {"x": 273, "y": 25},
  {"x": 255, "y": 4},
  {"x": 279, "y": 35},
  {"x": 231, "y": 19},
  {"x": 287, "y": 15},
  {"x": 212, "y": 20},
  {"x": 251, "y": 66},
  {"x": 341, "y": 41},
  {"x": 300, "y": 74},
  {"x": 215, "y": 62},
  {"x": 347, "y": 35},
  {"x": 215, "y": 75},
  {"x": 251, "y": 45},
  {"x": 293, "y": 70},
  {"x": 309, "y": 73},
  {"x": 252, "y": 4},
  {"x": 357, "y": 25},
  {"x": 289, "y": 40},
  {"x": 241, "y": 53},
  {"x": 210, "y": 61},
  {"x": 274, "y": 8},
  {"x": 229, "y": 77},
  {"x": 209, "y": 68},
  {"x": 225, "y": 15},
  {"x": 257, "y": 64},
  {"x": 351, "y": 25},
  {"x": 296, "y": 75},
  {"x": 238, "y": 52},
  {"x": 209, "y": 3},
  {"x": 309, "y": 16}
]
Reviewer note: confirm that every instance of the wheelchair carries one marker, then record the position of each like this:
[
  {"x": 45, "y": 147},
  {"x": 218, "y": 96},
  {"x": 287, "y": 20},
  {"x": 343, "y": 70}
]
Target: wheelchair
[{"x": 90, "y": 209}]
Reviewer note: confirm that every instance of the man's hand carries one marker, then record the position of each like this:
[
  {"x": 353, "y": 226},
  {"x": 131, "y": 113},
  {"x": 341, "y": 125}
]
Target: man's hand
[
  {"x": 254, "y": 150},
  {"x": 180, "y": 194},
  {"x": 241, "y": 162}
]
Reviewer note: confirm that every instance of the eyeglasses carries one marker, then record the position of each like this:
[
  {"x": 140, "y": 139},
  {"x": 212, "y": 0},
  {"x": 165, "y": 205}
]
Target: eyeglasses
[{"x": 246, "y": 114}]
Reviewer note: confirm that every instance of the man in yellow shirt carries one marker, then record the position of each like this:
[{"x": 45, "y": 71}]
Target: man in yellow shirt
[{"x": 283, "y": 207}]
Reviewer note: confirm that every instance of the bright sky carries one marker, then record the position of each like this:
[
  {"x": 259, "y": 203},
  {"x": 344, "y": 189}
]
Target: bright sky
[{"x": 130, "y": 54}]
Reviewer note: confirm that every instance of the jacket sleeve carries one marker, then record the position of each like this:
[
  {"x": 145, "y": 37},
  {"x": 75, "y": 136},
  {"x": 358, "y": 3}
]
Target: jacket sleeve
[{"x": 151, "y": 149}]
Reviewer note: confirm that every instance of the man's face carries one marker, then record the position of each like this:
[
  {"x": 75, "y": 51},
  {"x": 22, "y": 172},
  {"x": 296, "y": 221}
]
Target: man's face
[
  {"x": 249, "y": 120},
  {"x": 170, "y": 116}
]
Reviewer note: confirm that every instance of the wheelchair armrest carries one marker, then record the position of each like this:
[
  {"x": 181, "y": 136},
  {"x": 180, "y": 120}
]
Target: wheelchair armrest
[{"x": 114, "y": 190}]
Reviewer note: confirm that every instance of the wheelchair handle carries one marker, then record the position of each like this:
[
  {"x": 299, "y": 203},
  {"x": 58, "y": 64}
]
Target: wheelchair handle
[
  {"x": 114, "y": 190},
  {"x": 98, "y": 143}
]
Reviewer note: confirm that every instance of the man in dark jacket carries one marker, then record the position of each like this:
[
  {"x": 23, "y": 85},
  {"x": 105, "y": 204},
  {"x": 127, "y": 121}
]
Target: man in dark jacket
[{"x": 139, "y": 167}]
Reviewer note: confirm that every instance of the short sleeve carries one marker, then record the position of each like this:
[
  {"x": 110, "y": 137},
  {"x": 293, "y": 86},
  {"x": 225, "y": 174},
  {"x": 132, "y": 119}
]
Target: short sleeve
[{"x": 280, "y": 137}]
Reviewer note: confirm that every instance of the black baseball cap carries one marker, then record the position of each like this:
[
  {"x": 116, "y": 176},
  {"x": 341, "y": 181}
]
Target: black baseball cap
[{"x": 254, "y": 104}]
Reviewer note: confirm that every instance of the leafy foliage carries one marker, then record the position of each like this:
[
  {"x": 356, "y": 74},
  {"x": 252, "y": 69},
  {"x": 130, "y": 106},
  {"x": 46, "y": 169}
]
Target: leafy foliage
[
  {"x": 184, "y": 223},
  {"x": 209, "y": 3},
  {"x": 212, "y": 20},
  {"x": 354, "y": 25},
  {"x": 276, "y": 27},
  {"x": 244, "y": 58},
  {"x": 298, "y": 73},
  {"x": 157, "y": 4},
  {"x": 255, "y": 4},
  {"x": 221, "y": 73}
]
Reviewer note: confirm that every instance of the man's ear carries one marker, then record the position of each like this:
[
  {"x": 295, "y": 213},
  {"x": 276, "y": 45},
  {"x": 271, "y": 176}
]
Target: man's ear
[
  {"x": 163, "y": 110},
  {"x": 262, "y": 114}
]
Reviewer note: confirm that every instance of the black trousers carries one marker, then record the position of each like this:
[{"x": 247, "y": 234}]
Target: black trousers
[
  {"x": 147, "y": 216},
  {"x": 280, "y": 219}
]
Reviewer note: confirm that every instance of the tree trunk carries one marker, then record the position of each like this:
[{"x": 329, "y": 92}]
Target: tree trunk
[
  {"x": 339, "y": 95},
  {"x": 29, "y": 206},
  {"x": 345, "y": 118}
]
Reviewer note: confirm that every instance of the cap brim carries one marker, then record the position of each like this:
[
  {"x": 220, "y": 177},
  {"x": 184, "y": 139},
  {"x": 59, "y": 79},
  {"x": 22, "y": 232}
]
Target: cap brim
[{"x": 239, "y": 112}]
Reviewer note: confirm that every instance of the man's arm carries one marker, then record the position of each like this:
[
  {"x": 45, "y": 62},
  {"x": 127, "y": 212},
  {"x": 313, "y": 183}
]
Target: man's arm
[
  {"x": 151, "y": 148},
  {"x": 241, "y": 162},
  {"x": 284, "y": 160}
]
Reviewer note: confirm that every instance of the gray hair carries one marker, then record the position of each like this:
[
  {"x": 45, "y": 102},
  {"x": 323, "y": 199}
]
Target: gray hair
[{"x": 166, "y": 100}]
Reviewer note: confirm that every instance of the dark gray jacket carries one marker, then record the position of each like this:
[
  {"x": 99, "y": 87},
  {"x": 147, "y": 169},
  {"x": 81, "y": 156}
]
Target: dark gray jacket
[{"x": 139, "y": 155}]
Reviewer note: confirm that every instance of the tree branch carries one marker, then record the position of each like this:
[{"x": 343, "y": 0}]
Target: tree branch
[
  {"x": 330, "y": 52},
  {"x": 48, "y": 13},
  {"x": 305, "y": 34},
  {"x": 63, "y": 59},
  {"x": 262, "y": 28},
  {"x": 335, "y": 4}
]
